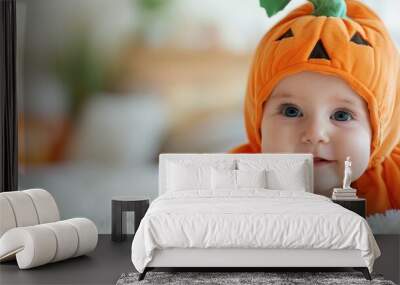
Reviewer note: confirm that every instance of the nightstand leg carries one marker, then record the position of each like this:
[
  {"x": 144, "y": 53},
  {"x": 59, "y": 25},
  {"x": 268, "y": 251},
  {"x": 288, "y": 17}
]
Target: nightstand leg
[{"x": 116, "y": 221}]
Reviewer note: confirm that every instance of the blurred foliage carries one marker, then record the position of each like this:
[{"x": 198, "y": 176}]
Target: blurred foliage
[
  {"x": 81, "y": 69},
  {"x": 151, "y": 5},
  {"x": 149, "y": 12}
]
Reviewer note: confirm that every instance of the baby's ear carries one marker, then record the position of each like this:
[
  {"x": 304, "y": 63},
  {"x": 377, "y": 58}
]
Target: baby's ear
[{"x": 273, "y": 6}]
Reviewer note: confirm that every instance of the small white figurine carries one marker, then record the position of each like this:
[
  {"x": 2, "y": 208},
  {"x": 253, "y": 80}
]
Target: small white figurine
[{"x": 347, "y": 173}]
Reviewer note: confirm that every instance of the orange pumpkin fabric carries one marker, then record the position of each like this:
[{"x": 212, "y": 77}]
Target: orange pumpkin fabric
[{"x": 372, "y": 69}]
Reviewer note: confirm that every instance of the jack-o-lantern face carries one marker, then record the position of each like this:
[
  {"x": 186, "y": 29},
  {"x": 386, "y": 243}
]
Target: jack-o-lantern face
[
  {"x": 319, "y": 50},
  {"x": 339, "y": 43}
]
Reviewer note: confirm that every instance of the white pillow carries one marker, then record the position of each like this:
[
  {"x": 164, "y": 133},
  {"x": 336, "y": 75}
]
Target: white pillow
[
  {"x": 237, "y": 179},
  {"x": 295, "y": 180},
  {"x": 188, "y": 175},
  {"x": 251, "y": 179},
  {"x": 282, "y": 174},
  {"x": 223, "y": 179}
]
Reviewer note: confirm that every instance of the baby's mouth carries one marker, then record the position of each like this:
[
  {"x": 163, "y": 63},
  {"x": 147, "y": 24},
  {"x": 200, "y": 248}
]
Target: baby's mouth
[{"x": 319, "y": 161}]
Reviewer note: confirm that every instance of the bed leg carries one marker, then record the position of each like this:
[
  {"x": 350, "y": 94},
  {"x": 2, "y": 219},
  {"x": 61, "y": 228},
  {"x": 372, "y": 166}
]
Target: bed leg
[
  {"x": 142, "y": 275},
  {"x": 364, "y": 271}
]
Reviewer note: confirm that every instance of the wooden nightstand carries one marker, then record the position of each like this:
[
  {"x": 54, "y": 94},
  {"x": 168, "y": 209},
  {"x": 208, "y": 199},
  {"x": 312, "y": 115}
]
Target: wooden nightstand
[{"x": 357, "y": 205}]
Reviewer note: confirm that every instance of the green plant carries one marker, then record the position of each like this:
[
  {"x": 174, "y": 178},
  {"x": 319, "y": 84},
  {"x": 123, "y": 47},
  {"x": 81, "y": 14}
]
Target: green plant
[{"x": 81, "y": 69}]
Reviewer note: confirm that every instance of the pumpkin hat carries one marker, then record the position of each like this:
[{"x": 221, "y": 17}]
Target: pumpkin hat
[{"x": 345, "y": 39}]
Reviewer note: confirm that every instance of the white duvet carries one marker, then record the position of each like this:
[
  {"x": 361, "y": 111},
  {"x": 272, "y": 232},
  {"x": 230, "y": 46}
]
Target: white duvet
[{"x": 251, "y": 218}]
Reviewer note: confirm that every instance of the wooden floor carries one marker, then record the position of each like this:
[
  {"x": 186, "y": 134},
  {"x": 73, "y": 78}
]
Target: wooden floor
[
  {"x": 110, "y": 259},
  {"x": 103, "y": 266}
]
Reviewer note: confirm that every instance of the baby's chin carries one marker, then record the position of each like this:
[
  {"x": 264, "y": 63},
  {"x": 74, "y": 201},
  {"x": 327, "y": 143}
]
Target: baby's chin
[{"x": 325, "y": 180}]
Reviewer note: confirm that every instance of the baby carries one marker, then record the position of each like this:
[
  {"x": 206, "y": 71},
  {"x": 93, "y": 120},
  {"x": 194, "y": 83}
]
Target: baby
[{"x": 326, "y": 80}]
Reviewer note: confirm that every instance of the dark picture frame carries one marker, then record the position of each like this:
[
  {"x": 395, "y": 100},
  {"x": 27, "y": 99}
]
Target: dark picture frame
[{"x": 8, "y": 98}]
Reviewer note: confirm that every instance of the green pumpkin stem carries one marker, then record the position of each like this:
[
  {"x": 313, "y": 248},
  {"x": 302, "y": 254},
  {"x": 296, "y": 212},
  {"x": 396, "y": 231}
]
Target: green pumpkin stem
[{"x": 329, "y": 8}]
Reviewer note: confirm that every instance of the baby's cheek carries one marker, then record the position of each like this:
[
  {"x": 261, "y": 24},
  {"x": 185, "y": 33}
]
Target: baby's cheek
[
  {"x": 358, "y": 148},
  {"x": 276, "y": 137}
]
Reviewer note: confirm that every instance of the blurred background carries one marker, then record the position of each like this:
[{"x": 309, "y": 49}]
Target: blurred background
[{"x": 105, "y": 86}]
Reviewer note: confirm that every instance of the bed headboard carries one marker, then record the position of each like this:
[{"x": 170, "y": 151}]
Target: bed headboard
[{"x": 164, "y": 157}]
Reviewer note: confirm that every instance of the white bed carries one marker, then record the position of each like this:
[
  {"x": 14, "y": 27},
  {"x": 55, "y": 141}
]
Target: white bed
[{"x": 249, "y": 227}]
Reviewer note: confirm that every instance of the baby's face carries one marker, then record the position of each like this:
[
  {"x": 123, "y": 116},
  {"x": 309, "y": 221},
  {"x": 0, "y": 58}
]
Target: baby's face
[{"x": 310, "y": 112}]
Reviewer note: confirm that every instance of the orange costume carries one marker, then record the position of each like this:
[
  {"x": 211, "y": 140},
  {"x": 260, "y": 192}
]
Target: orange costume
[{"x": 356, "y": 47}]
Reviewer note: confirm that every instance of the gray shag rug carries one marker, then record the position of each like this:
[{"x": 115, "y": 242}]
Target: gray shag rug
[{"x": 225, "y": 278}]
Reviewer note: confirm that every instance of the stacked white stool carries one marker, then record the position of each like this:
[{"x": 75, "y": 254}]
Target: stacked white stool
[{"x": 31, "y": 230}]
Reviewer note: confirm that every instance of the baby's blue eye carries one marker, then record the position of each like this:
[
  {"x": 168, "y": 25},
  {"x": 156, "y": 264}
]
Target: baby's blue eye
[
  {"x": 342, "y": 116},
  {"x": 291, "y": 111}
]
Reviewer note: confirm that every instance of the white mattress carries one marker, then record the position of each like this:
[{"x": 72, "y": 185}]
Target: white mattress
[{"x": 251, "y": 218}]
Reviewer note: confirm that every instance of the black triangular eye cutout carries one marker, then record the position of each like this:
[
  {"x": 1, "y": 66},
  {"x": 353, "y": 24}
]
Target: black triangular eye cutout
[
  {"x": 287, "y": 34},
  {"x": 319, "y": 51},
  {"x": 359, "y": 40}
]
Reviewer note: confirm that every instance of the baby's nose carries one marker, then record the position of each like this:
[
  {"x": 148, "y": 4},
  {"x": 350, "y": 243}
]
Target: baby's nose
[{"x": 315, "y": 132}]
